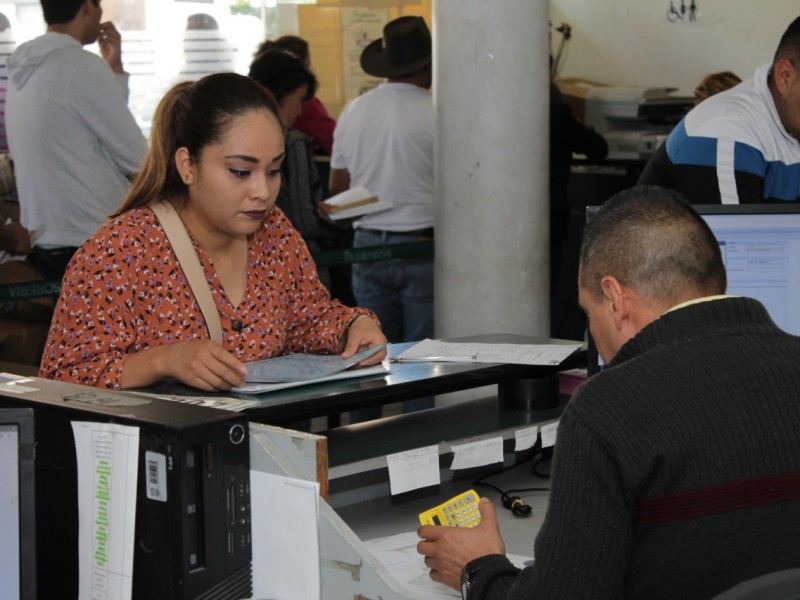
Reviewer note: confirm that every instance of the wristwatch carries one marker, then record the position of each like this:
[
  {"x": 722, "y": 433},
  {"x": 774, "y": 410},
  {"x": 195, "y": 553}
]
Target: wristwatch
[
  {"x": 466, "y": 573},
  {"x": 469, "y": 571}
]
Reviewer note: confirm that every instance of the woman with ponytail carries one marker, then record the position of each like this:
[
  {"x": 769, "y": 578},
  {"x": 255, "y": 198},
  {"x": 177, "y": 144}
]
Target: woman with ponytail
[{"x": 127, "y": 316}]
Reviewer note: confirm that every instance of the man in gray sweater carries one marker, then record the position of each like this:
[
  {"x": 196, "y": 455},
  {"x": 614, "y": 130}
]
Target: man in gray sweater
[
  {"x": 74, "y": 142},
  {"x": 677, "y": 468}
]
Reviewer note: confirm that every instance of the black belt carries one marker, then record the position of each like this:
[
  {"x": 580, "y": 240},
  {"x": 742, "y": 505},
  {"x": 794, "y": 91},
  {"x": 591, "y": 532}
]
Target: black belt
[
  {"x": 51, "y": 263},
  {"x": 427, "y": 232}
]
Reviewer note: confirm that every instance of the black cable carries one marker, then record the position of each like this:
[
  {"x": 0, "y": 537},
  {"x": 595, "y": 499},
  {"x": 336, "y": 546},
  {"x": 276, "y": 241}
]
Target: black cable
[
  {"x": 514, "y": 503},
  {"x": 543, "y": 458}
]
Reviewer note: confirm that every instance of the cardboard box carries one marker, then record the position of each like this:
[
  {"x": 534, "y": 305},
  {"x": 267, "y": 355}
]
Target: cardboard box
[{"x": 575, "y": 90}]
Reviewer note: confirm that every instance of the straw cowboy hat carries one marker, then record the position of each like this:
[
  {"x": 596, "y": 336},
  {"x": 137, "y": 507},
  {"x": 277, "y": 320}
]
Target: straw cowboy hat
[{"x": 404, "y": 49}]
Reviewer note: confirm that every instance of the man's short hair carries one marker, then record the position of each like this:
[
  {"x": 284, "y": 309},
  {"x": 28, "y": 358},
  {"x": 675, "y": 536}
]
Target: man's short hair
[
  {"x": 653, "y": 241},
  {"x": 61, "y": 11},
  {"x": 789, "y": 46}
]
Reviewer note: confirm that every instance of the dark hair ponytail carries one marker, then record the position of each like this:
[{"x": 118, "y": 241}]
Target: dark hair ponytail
[{"x": 192, "y": 115}]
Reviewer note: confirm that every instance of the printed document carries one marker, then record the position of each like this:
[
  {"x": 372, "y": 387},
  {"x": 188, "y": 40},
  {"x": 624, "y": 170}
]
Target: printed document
[
  {"x": 108, "y": 460},
  {"x": 520, "y": 354},
  {"x": 398, "y": 553},
  {"x": 303, "y": 367}
]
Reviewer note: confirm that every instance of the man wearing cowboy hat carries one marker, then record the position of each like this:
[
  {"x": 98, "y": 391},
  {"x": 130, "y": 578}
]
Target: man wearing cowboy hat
[{"x": 384, "y": 143}]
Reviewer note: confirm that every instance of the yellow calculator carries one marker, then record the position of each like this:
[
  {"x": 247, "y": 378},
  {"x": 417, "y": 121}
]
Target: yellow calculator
[{"x": 459, "y": 511}]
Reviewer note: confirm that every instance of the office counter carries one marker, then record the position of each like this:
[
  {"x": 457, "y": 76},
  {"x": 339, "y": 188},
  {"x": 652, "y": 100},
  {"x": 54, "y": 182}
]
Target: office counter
[
  {"x": 359, "y": 505},
  {"x": 473, "y": 419},
  {"x": 405, "y": 381},
  {"x": 384, "y": 516},
  {"x": 350, "y": 462},
  {"x": 358, "y": 476},
  {"x": 355, "y": 468}
]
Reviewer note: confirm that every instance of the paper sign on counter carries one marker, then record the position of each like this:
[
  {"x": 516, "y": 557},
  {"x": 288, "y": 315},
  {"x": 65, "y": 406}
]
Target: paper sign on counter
[
  {"x": 477, "y": 454},
  {"x": 526, "y": 438},
  {"x": 549, "y": 434},
  {"x": 413, "y": 469}
]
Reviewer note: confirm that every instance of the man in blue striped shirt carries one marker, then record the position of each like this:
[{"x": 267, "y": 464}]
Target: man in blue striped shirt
[{"x": 740, "y": 146}]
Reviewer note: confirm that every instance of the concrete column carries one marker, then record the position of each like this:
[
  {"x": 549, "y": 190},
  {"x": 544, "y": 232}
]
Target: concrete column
[{"x": 491, "y": 92}]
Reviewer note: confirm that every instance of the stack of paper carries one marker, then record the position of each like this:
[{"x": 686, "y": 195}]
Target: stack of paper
[{"x": 300, "y": 369}]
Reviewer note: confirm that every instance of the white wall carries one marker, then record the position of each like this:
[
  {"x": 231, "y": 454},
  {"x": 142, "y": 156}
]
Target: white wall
[{"x": 631, "y": 42}]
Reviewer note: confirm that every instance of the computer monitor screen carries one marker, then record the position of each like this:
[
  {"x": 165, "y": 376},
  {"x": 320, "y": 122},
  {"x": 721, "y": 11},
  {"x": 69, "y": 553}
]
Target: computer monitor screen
[
  {"x": 17, "y": 504},
  {"x": 760, "y": 246}
]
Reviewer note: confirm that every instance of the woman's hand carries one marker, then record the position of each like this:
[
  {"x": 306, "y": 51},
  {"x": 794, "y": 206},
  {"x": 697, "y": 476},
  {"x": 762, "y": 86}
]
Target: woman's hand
[
  {"x": 364, "y": 332},
  {"x": 203, "y": 364},
  {"x": 208, "y": 366}
]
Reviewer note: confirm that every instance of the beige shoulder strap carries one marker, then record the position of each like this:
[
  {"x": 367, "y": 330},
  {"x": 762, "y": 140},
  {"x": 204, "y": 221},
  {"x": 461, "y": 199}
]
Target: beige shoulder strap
[{"x": 187, "y": 257}]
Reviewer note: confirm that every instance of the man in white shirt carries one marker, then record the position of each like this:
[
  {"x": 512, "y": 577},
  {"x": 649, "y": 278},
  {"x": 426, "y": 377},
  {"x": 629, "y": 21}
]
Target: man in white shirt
[
  {"x": 74, "y": 142},
  {"x": 384, "y": 142}
]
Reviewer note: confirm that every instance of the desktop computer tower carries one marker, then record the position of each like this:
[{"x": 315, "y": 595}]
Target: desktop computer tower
[{"x": 192, "y": 529}]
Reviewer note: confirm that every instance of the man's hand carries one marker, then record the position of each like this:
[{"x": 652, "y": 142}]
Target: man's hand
[
  {"x": 448, "y": 549},
  {"x": 339, "y": 181},
  {"x": 110, "y": 43},
  {"x": 14, "y": 238}
]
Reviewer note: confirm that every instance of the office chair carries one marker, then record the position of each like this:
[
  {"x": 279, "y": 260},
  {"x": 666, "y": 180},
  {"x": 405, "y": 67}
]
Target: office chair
[{"x": 780, "y": 585}]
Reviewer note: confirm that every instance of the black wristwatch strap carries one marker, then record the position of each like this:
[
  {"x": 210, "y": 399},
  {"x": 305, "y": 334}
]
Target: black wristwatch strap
[{"x": 469, "y": 572}]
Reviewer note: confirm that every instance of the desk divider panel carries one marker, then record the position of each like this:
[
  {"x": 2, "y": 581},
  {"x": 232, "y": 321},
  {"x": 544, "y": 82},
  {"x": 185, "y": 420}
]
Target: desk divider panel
[{"x": 348, "y": 569}]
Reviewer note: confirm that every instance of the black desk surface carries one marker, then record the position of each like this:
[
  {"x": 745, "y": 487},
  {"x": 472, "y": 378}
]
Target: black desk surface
[{"x": 405, "y": 381}]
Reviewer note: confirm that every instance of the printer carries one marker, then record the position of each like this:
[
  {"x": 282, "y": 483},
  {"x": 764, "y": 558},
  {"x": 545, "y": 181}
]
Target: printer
[{"x": 634, "y": 121}]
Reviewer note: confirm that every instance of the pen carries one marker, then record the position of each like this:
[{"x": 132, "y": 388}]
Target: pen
[{"x": 465, "y": 358}]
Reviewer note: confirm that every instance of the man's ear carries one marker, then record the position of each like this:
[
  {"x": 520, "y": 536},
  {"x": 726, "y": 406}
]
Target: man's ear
[
  {"x": 617, "y": 300},
  {"x": 185, "y": 165},
  {"x": 783, "y": 73},
  {"x": 87, "y": 7}
]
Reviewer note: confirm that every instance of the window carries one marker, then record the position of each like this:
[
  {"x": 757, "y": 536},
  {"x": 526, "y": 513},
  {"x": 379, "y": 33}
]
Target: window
[{"x": 166, "y": 41}]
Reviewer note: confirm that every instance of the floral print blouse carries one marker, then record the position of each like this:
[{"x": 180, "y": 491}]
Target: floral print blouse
[{"x": 124, "y": 292}]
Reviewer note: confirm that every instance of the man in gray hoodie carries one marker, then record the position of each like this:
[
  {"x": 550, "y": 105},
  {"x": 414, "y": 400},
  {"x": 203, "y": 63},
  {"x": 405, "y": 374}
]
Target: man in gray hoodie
[{"x": 74, "y": 143}]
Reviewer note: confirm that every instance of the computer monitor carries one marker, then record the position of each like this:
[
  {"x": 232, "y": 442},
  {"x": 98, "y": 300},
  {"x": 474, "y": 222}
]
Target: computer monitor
[
  {"x": 760, "y": 246},
  {"x": 17, "y": 504}
]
